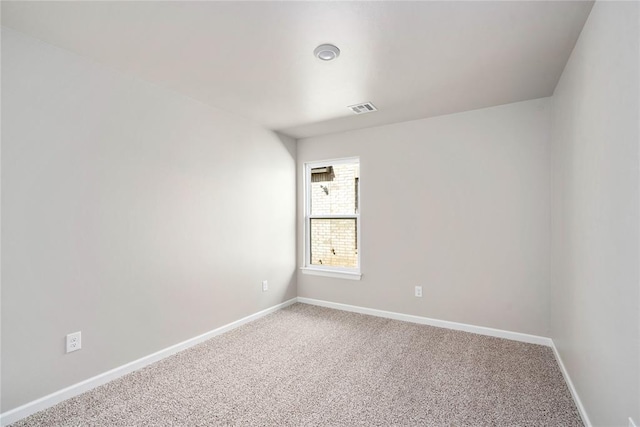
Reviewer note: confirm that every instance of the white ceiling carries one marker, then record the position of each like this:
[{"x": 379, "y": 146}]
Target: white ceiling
[{"x": 411, "y": 59}]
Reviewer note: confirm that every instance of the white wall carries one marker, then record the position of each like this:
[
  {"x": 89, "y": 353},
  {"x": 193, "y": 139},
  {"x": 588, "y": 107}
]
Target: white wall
[
  {"x": 133, "y": 214},
  {"x": 595, "y": 299},
  {"x": 459, "y": 204}
]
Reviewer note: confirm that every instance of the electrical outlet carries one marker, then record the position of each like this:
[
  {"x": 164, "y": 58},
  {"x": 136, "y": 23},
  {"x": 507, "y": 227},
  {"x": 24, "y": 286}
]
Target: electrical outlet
[
  {"x": 74, "y": 341},
  {"x": 418, "y": 291},
  {"x": 265, "y": 286},
  {"x": 631, "y": 423}
]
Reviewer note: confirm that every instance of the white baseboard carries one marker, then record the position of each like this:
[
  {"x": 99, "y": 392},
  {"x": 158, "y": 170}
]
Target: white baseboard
[
  {"x": 499, "y": 333},
  {"x": 572, "y": 389},
  {"x": 86, "y": 385}
]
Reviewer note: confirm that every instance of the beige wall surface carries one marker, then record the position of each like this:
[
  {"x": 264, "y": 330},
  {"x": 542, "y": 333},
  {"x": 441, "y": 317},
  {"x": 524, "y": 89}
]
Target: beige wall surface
[
  {"x": 137, "y": 216},
  {"x": 458, "y": 204},
  {"x": 595, "y": 292}
]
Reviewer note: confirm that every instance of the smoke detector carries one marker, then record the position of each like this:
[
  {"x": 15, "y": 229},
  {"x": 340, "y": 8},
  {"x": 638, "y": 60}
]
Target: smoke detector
[
  {"x": 363, "y": 108},
  {"x": 326, "y": 52}
]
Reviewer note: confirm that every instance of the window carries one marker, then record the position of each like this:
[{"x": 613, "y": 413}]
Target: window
[{"x": 332, "y": 216}]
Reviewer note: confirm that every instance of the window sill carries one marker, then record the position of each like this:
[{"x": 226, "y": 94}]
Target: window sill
[{"x": 331, "y": 273}]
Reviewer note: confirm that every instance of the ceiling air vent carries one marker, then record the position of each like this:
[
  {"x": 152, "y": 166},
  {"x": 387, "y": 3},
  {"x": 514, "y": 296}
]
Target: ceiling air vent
[{"x": 365, "y": 107}]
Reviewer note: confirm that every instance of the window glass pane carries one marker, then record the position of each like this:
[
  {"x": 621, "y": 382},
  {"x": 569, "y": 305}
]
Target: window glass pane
[
  {"x": 334, "y": 242},
  {"x": 334, "y": 189}
]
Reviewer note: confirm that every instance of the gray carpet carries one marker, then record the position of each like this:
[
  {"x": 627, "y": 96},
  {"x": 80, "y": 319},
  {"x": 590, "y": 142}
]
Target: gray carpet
[{"x": 312, "y": 366}]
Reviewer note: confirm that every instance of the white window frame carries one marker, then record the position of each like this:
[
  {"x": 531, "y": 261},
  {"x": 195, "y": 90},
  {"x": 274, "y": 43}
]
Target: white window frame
[{"x": 321, "y": 270}]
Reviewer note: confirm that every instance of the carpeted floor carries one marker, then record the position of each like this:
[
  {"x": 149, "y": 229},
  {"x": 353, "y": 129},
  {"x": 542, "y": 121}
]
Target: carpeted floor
[{"x": 312, "y": 366}]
